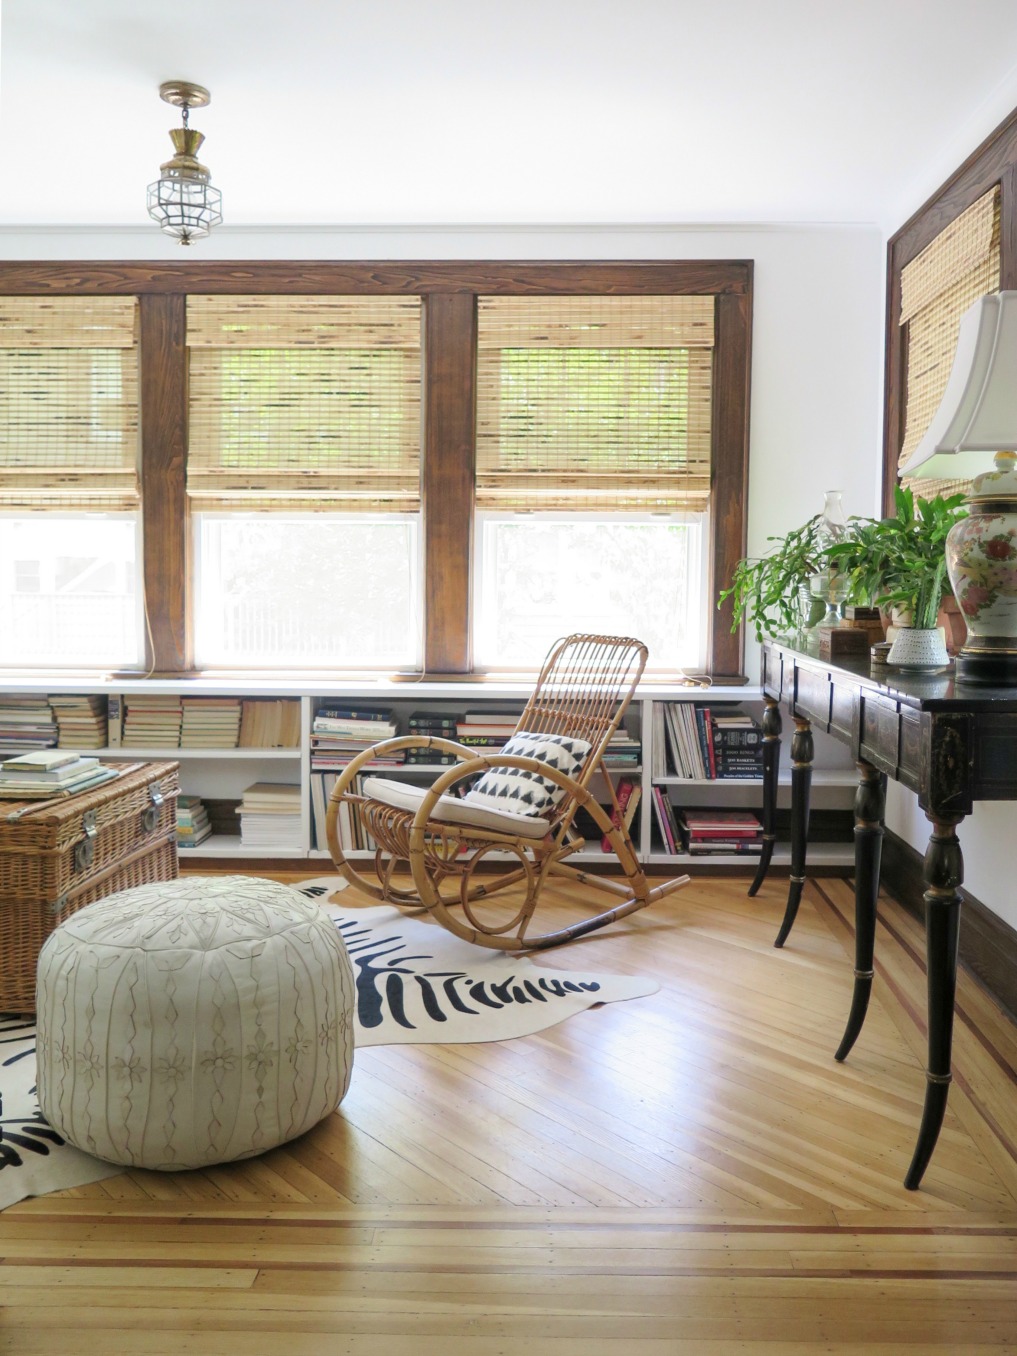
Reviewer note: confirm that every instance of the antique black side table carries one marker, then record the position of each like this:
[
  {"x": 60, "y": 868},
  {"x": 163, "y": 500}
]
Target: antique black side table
[{"x": 950, "y": 743}]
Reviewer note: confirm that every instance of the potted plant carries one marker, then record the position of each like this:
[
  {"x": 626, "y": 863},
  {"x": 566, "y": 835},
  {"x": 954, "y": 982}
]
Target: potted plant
[
  {"x": 767, "y": 590},
  {"x": 899, "y": 564}
]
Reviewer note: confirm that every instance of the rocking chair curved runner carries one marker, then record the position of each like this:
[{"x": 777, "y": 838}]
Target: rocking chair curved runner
[{"x": 545, "y": 769}]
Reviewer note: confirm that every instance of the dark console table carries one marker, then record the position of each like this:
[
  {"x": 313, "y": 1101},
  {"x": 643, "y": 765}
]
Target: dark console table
[{"x": 952, "y": 744}]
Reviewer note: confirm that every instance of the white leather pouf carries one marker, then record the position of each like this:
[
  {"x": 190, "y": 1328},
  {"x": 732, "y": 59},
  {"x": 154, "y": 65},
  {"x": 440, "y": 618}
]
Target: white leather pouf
[{"x": 193, "y": 1021}]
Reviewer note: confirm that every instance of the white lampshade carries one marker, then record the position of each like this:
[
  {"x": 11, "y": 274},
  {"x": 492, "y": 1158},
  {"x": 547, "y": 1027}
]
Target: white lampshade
[{"x": 978, "y": 412}]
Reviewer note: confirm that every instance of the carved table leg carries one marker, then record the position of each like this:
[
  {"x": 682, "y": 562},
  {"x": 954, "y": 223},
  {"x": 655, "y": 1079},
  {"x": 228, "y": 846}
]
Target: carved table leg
[
  {"x": 771, "y": 770},
  {"x": 944, "y": 872},
  {"x": 870, "y": 800},
  {"x": 801, "y": 786}
]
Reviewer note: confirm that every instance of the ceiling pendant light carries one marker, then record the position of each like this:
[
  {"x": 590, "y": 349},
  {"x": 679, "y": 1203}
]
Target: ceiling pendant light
[{"x": 182, "y": 200}]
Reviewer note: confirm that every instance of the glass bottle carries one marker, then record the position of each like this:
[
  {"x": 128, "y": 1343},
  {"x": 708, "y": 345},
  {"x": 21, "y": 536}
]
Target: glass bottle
[{"x": 828, "y": 586}]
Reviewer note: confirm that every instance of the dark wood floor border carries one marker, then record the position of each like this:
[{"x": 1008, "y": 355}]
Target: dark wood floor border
[{"x": 988, "y": 944}]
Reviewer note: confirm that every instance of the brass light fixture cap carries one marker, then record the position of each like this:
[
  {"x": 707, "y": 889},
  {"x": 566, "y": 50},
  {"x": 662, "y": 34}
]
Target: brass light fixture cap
[{"x": 184, "y": 94}]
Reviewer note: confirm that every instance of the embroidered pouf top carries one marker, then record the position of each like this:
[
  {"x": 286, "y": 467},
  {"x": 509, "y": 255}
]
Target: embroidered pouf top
[{"x": 193, "y": 1022}]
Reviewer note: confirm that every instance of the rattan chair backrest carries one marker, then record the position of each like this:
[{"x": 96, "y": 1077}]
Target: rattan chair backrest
[{"x": 583, "y": 691}]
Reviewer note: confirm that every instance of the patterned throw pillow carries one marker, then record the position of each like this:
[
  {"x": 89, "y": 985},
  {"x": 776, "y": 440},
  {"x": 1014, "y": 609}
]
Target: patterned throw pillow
[{"x": 523, "y": 791}]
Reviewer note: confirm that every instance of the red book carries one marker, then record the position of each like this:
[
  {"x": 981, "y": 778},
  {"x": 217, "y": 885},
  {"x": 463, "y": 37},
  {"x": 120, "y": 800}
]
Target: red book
[{"x": 618, "y": 815}]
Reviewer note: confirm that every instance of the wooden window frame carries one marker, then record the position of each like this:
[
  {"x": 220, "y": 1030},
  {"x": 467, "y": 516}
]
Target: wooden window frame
[
  {"x": 994, "y": 162},
  {"x": 449, "y": 292}
]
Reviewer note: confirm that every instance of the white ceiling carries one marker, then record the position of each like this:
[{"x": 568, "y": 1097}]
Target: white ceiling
[{"x": 469, "y": 112}]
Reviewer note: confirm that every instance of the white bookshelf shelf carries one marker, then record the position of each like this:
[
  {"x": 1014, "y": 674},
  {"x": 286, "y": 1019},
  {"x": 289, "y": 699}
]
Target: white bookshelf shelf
[{"x": 224, "y": 773}]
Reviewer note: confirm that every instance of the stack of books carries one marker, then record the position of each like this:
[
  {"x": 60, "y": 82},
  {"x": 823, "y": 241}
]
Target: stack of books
[
  {"x": 737, "y": 745},
  {"x": 622, "y": 750},
  {"x": 26, "y": 723},
  {"x": 488, "y": 729},
  {"x": 339, "y": 733},
  {"x": 270, "y": 816},
  {"x": 210, "y": 722},
  {"x": 47, "y": 774},
  {"x": 152, "y": 722},
  {"x": 269, "y": 723},
  {"x": 81, "y": 721},
  {"x": 437, "y": 725},
  {"x": 721, "y": 831},
  {"x": 193, "y": 825}
]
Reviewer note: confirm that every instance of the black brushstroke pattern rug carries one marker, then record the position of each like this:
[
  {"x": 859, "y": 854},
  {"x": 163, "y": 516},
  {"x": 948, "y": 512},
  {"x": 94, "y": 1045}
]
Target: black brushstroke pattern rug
[{"x": 415, "y": 983}]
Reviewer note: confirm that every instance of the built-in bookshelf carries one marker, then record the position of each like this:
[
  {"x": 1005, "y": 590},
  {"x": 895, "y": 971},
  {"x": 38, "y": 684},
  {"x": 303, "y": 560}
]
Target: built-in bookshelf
[{"x": 238, "y": 735}]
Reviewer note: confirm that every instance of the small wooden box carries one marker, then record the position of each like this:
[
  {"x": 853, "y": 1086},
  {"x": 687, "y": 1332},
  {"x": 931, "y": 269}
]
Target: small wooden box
[
  {"x": 842, "y": 640},
  {"x": 58, "y": 855}
]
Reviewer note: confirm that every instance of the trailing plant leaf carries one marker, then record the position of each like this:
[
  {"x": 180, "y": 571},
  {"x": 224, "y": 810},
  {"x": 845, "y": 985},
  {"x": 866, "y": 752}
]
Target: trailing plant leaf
[{"x": 764, "y": 589}]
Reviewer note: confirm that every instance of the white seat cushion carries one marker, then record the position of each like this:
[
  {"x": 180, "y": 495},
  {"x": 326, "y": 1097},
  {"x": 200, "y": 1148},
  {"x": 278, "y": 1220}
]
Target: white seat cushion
[{"x": 452, "y": 810}]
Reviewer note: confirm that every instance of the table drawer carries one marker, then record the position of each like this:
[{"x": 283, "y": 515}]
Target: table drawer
[
  {"x": 880, "y": 734},
  {"x": 845, "y": 706},
  {"x": 812, "y": 697}
]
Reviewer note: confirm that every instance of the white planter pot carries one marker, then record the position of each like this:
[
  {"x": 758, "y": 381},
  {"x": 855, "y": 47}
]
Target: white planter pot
[{"x": 917, "y": 648}]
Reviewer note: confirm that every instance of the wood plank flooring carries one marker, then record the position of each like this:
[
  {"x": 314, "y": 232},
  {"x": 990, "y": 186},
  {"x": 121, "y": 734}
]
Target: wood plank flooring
[{"x": 690, "y": 1172}]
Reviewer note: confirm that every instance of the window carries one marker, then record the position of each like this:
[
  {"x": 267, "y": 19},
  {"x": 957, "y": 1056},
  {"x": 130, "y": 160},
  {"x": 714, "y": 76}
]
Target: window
[
  {"x": 313, "y": 590},
  {"x": 69, "y": 498},
  {"x": 937, "y": 287},
  {"x": 542, "y": 575},
  {"x": 303, "y": 475},
  {"x": 593, "y": 473},
  {"x": 342, "y": 432}
]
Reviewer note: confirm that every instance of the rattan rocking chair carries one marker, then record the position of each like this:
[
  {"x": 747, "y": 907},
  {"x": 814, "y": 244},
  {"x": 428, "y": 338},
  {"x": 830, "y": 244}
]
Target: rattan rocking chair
[{"x": 440, "y": 839}]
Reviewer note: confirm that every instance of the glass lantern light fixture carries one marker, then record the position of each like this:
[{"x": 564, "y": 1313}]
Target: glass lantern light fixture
[
  {"x": 975, "y": 430},
  {"x": 182, "y": 200}
]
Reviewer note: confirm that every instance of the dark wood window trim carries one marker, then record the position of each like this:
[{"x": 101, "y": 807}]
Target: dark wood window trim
[
  {"x": 449, "y": 291},
  {"x": 994, "y": 162}
]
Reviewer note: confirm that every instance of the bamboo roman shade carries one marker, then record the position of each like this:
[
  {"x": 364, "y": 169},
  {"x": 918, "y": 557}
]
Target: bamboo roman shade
[
  {"x": 68, "y": 403},
  {"x": 937, "y": 287},
  {"x": 590, "y": 403},
  {"x": 304, "y": 402}
]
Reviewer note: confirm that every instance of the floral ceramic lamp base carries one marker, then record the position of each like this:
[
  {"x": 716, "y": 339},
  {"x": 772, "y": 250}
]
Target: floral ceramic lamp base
[{"x": 981, "y": 553}]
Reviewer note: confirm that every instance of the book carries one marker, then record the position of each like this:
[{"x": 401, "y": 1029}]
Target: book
[
  {"x": 358, "y": 713},
  {"x": 39, "y": 791},
  {"x": 623, "y": 796},
  {"x": 432, "y": 720},
  {"x": 360, "y": 729},
  {"x": 42, "y": 760},
  {"x": 721, "y": 819},
  {"x": 58, "y": 776}
]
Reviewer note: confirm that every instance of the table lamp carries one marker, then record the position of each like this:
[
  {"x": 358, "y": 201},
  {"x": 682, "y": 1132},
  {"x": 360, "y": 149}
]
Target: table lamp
[{"x": 973, "y": 435}]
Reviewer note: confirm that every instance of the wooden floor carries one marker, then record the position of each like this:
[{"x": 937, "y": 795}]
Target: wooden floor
[{"x": 688, "y": 1172}]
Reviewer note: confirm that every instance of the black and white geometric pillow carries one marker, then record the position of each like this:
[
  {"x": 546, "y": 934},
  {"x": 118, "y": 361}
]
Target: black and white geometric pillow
[{"x": 525, "y": 792}]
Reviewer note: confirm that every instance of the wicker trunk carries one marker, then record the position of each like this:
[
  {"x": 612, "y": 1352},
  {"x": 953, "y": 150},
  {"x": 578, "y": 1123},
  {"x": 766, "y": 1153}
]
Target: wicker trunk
[{"x": 56, "y": 856}]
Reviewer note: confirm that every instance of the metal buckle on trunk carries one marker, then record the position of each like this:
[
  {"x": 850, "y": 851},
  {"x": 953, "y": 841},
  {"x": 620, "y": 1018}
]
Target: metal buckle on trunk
[
  {"x": 151, "y": 816},
  {"x": 84, "y": 853}
]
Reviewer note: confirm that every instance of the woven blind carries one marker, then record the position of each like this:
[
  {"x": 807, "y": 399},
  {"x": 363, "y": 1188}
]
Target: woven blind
[
  {"x": 937, "y": 287},
  {"x": 304, "y": 403},
  {"x": 587, "y": 403},
  {"x": 68, "y": 403}
]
